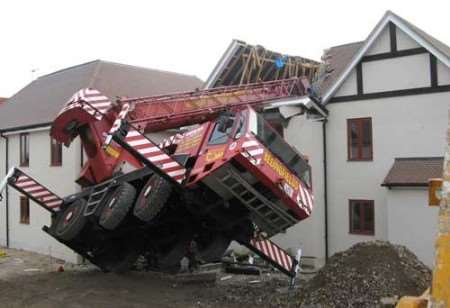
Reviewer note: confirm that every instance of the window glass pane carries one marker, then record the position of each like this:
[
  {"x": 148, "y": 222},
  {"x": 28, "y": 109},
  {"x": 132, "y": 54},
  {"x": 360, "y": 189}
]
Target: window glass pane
[
  {"x": 354, "y": 139},
  {"x": 24, "y": 150},
  {"x": 366, "y": 138},
  {"x": 218, "y": 137},
  {"x": 356, "y": 216},
  {"x": 368, "y": 217},
  {"x": 24, "y": 210},
  {"x": 55, "y": 153}
]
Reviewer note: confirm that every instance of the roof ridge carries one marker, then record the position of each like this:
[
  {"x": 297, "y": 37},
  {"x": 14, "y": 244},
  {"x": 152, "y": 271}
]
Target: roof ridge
[
  {"x": 346, "y": 44},
  {"x": 147, "y": 68},
  {"x": 68, "y": 68}
]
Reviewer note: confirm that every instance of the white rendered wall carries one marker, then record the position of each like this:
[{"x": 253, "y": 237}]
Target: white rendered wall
[
  {"x": 2, "y": 203},
  {"x": 404, "y": 41},
  {"x": 408, "y": 126},
  {"x": 411, "y": 222},
  {"x": 349, "y": 86},
  {"x": 306, "y": 136},
  {"x": 382, "y": 44},
  {"x": 443, "y": 74},
  {"x": 396, "y": 74},
  {"x": 58, "y": 179}
]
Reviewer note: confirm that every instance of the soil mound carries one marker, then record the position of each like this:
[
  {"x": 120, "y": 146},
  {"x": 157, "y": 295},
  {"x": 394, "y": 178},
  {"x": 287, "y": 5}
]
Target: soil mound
[{"x": 365, "y": 273}]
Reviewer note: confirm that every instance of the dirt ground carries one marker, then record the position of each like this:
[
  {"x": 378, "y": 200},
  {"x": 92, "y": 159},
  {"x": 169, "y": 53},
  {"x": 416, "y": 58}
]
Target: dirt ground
[{"x": 32, "y": 280}]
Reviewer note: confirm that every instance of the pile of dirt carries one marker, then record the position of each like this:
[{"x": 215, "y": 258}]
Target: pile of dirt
[{"x": 365, "y": 273}]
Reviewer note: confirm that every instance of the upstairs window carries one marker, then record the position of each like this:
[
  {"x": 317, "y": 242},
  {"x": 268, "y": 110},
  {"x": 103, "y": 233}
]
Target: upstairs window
[
  {"x": 24, "y": 210},
  {"x": 362, "y": 218},
  {"x": 359, "y": 132},
  {"x": 24, "y": 150},
  {"x": 55, "y": 153}
]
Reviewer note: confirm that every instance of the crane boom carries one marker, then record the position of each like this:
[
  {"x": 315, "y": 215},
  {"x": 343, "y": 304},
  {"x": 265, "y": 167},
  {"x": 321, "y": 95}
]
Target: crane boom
[{"x": 181, "y": 109}]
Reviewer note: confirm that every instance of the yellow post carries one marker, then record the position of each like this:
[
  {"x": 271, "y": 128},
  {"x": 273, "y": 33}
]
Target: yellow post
[{"x": 440, "y": 289}]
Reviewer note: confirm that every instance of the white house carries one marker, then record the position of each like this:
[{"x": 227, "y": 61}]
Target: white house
[
  {"x": 377, "y": 140},
  {"x": 387, "y": 100},
  {"x": 25, "y": 124}
]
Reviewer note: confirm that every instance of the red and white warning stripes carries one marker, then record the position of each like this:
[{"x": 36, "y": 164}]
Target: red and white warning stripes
[
  {"x": 305, "y": 198},
  {"x": 122, "y": 114},
  {"x": 167, "y": 142},
  {"x": 155, "y": 155},
  {"x": 253, "y": 150},
  {"x": 274, "y": 253},
  {"x": 91, "y": 100},
  {"x": 38, "y": 192}
]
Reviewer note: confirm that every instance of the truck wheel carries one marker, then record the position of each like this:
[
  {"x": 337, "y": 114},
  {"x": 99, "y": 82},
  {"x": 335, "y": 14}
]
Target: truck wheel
[
  {"x": 72, "y": 221},
  {"x": 214, "y": 249},
  {"x": 117, "y": 206},
  {"x": 152, "y": 198}
]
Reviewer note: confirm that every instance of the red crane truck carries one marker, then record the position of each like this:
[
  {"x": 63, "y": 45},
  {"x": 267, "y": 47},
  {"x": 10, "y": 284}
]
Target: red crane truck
[{"x": 230, "y": 176}]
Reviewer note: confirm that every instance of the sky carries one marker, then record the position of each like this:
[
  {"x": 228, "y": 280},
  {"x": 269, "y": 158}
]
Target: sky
[{"x": 39, "y": 37}]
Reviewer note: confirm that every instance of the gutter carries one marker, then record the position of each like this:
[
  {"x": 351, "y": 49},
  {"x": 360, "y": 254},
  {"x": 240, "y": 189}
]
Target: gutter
[
  {"x": 6, "y": 190},
  {"x": 325, "y": 185},
  {"x": 389, "y": 185},
  {"x": 25, "y": 127}
]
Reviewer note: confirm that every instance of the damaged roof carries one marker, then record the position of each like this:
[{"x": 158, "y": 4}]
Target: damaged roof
[
  {"x": 39, "y": 102},
  {"x": 414, "y": 171},
  {"x": 243, "y": 63},
  {"x": 335, "y": 59}
]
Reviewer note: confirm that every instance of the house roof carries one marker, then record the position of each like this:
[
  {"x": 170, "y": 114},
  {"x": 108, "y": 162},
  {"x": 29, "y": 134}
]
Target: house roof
[
  {"x": 440, "y": 50},
  {"x": 335, "y": 60},
  {"x": 3, "y": 99},
  {"x": 243, "y": 63},
  {"x": 414, "y": 171},
  {"x": 39, "y": 102}
]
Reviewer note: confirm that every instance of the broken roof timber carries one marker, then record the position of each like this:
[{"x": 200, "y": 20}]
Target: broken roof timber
[{"x": 243, "y": 63}]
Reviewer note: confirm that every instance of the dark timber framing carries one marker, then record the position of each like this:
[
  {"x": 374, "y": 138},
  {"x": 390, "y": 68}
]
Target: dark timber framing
[
  {"x": 394, "y": 53},
  {"x": 393, "y": 37},
  {"x": 385, "y": 94},
  {"x": 359, "y": 79},
  {"x": 433, "y": 71}
]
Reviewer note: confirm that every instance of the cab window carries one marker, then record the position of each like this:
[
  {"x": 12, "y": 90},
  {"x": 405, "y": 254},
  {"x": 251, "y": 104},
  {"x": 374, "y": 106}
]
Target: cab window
[{"x": 222, "y": 131}]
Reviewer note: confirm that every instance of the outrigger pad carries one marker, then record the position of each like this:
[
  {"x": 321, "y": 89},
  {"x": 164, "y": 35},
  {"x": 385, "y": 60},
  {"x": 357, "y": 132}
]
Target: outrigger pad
[
  {"x": 275, "y": 255},
  {"x": 35, "y": 191}
]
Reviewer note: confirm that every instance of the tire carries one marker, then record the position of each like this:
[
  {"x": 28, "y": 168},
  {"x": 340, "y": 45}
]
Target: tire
[
  {"x": 152, "y": 198},
  {"x": 71, "y": 221},
  {"x": 214, "y": 249},
  {"x": 116, "y": 207}
]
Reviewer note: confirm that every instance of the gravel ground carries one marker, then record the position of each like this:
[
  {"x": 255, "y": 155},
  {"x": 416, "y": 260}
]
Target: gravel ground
[
  {"x": 357, "y": 277},
  {"x": 32, "y": 280}
]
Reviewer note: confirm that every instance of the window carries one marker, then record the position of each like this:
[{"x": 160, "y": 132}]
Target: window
[
  {"x": 362, "y": 218},
  {"x": 359, "y": 132},
  {"x": 55, "y": 153},
  {"x": 24, "y": 210},
  {"x": 24, "y": 150},
  {"x": 222, "y": 130}
]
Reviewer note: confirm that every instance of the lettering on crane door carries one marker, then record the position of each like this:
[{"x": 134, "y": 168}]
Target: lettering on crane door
[{"x": 279, "y": 169}]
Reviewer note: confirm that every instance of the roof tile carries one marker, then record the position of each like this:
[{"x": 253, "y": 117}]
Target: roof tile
[{"x": 414, "y": 171}]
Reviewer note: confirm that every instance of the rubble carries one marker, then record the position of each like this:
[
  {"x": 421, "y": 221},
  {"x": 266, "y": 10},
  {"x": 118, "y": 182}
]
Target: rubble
[{"x": 364, "y": 274}]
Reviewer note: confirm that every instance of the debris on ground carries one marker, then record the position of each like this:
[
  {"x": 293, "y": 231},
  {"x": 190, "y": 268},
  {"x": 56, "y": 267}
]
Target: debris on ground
[{"x": 364, "y": 274}]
